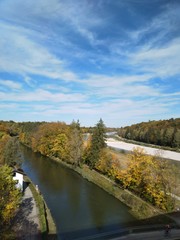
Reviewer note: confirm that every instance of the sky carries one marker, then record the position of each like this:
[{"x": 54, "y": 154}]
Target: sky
[{"x": 64, "y": 60}]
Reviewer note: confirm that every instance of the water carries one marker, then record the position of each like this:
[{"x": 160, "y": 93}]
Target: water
[{"x": 80, "y": 209}]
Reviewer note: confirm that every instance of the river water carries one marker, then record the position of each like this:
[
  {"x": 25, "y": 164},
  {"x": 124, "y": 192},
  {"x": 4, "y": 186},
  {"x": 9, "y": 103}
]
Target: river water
[{"x": 81, "y": 210}]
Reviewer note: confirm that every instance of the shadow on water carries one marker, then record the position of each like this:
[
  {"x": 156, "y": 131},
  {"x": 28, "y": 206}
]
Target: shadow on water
[{"x": 145, "y": 226}]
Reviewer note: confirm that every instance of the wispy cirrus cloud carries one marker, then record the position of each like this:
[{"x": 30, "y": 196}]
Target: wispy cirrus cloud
[
  {"x": 10, "y": 84},
  {"x": 22, "y": 55},
  {"x": 41, "y": 95},
  {"x": 162, "y": 61}
]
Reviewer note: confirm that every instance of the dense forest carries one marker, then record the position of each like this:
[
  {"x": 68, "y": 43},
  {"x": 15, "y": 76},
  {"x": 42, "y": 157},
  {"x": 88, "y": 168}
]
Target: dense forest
[
  {"x": 144, "y": 175},
  {"x": 163, "y": 133}
]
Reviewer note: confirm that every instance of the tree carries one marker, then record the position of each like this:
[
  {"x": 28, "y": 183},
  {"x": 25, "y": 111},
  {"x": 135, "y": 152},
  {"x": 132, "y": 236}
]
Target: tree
[
  {"x": 108, "y": 164},
  {"x": 3, "y": 141},
  {"x": 134, "y": 177},
  {"x": 10, "y": 196},
  {"x": 150, "y": 178},
  {"x": 12, "y": 153},
  {"x": 98, "y": 142},
  {"x": 60, "y": 147},
  {"x": 75, "y": 143}
]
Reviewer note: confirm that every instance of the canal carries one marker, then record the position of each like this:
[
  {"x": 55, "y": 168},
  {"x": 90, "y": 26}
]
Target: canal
[{"x": 81, "y": 210}]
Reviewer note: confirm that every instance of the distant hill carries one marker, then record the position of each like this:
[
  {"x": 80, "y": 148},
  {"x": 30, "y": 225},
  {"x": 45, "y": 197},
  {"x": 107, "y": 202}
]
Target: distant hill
[{"x": 162, "y": 132}]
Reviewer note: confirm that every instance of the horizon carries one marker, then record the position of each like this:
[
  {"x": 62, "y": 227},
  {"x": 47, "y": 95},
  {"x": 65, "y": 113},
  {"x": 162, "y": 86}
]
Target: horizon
[
  {"x": 86, "y": 60},
  {"x": 89, "y": 125}
]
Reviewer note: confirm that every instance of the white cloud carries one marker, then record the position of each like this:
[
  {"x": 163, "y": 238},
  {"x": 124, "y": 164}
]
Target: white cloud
[
  {"x": 21, "y": 55},
  {"x": 8, "y": 106},
  {"x": 161, "y": 61},
  {"x": 121, "y": 86},
  {"x": 10, "y": 84},
  {"x": 40, "y": 95},
  {"x": 78, "y": 16}
]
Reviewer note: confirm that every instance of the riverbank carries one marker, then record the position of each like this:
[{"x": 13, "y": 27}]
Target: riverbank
[
  {"x": 33, "y": 220},
  {"x": 47, "y": 224},
  {"x": 140, "y": 209}
]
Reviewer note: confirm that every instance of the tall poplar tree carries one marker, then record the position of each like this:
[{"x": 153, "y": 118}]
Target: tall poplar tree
[{"x": 75, "y": 143}]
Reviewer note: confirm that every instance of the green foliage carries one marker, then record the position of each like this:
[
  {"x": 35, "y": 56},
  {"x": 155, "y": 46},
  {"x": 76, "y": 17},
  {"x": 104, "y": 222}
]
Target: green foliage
[
  {"x": 98, "y": 143},
  {"x": 75, "y": 144},
  {"x": 163, "y": 133},
  {"x": 3, "y": 141},
  {"x": 11, "y": 153},
  {"x": 10, "y": 196}
]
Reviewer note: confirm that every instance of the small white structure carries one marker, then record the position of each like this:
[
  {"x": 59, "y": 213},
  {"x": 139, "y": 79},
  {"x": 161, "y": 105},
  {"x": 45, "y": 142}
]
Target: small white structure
[{"x": 18, "y": 176}]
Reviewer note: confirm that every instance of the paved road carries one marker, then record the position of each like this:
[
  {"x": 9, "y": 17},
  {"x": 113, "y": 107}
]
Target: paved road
[{"x": 27, "y": 222}]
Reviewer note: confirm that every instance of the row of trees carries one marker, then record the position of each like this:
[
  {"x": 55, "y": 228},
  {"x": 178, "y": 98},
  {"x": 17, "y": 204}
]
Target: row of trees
[
  {"x": 163, "y": 133},
  {"x": 64, "y": 142},
  {"x": 151, "y": 178},
  {"x": 56, "y": 139}
]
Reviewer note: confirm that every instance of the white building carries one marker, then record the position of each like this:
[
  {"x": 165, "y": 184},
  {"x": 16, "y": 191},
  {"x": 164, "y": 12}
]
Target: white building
[{"x": 18, "y": 176}]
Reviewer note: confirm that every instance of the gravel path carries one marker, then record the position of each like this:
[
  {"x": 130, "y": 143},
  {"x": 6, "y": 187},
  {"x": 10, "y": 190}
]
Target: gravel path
[
  {"x": 151, "y": 151},
  {"x": 27, "y": 221}
]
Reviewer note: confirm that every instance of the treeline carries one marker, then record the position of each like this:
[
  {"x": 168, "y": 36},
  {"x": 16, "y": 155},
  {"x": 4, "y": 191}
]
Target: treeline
[
  {"x": 163, "y": 133},
  {"x": 56, "y": 140}
]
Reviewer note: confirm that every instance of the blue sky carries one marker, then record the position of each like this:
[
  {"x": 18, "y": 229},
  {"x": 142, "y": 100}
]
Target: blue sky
[{"x": 118, "y": 60}]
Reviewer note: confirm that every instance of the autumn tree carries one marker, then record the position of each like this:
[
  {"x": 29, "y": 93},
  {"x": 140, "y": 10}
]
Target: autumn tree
[
  {"x": 10, "y": 196},
  {"x": 59, "y": 147},
  {"x": 108, "y": 164},
  {"x": 150, "y": 178},
  {"x": 134, "y": 177}
]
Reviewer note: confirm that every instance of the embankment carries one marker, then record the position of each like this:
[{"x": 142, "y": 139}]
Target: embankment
[
  {"x": 139, "y": 208},
  {"x": 47, "y": 224}
]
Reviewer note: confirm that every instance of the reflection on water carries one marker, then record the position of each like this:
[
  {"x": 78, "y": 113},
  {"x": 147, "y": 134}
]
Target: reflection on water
[{"x": 78, "y": 207}]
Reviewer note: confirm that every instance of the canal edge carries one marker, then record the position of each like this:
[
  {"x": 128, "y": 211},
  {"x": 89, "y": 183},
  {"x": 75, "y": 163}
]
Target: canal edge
[
  {"x": 47, "y": 224},
  {"x": 139, "y": 208}
]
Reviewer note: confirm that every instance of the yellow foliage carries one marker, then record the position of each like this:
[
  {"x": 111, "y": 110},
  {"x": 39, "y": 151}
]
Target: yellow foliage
[
  {"x": 148, "y": 177},
  {"x": 9, "y": 195}
]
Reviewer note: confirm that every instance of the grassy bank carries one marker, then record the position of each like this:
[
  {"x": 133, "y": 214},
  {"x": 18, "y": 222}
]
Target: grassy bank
[{"x": 138, "y": 207}]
